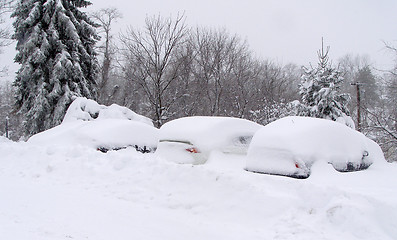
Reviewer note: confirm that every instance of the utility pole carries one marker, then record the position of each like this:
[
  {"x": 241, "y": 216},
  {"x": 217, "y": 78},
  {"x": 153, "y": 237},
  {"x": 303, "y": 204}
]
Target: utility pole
[
  {"x": 7, "y": 126},
  {"x": 357, "y": 84}
]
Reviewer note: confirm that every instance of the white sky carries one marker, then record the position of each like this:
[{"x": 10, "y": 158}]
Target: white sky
[
  {"x": 284, "y": 30},
  {"x": 281, "y": 30}
]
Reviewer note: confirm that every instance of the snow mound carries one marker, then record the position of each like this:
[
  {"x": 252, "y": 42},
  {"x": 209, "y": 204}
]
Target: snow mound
[
  {"x": 106, "y": 134},
  {"x": 346, "y": 120},
  {"x": 89, "y": 124},
  {"x": 4, "y": 140},
  {"x": 208, "y": 132},
  {"x": 88, "y": 110},
  {"x": 303, "y": 141}
]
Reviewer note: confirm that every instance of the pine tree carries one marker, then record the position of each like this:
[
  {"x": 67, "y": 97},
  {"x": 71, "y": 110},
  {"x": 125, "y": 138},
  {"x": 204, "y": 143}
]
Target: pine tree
[
  {"x": 55, "y": 47},
  {"x": 320, "y": 92}
]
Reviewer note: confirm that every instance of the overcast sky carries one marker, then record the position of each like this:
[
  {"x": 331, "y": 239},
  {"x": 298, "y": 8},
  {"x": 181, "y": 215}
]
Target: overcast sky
[
  {"x": 281, "y": 30},
  {"x": 284, "y": 30}
]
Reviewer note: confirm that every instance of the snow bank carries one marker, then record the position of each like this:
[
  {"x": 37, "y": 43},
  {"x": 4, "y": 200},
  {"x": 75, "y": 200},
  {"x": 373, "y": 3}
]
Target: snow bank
[
  {"x": 208, "y": 133},
  {"x": 303, "y": 141},
  {"x": 88, "y": 110},
  {"x": 4, "y": 139}
]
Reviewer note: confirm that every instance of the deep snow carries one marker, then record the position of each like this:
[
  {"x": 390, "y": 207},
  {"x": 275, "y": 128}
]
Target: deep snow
[
  {"x": 75, "y": 192},
  {"x": 58, "y": 186}
]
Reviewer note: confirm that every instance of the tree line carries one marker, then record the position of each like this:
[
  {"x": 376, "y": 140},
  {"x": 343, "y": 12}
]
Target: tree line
[{"x": 168, "y": 70}]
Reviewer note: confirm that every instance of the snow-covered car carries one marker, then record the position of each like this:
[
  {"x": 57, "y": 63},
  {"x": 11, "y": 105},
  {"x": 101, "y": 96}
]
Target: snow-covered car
[
  {"x": 192, "y": 139},
  {"x": 104, "y": 128},
  {"x": 291, "y": 145}
]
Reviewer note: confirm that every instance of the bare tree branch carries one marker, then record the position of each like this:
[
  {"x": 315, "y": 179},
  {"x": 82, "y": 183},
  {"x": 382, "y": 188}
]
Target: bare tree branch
[
  {"x": 106, "y": 17},
  {"x": 155, "y": 53}
]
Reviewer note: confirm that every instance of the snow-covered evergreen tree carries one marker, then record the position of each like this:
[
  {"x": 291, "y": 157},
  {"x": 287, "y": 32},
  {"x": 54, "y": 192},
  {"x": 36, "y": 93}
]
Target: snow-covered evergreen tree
[
  {"x": 55, "y": 47},
  {"x": 320, "y": 92}
]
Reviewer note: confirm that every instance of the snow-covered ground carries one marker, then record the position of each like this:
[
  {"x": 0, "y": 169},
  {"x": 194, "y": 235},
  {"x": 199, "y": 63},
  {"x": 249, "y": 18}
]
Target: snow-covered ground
[
  {"x": 75, "y": 192},
  {"x": 58, "y": 186}
]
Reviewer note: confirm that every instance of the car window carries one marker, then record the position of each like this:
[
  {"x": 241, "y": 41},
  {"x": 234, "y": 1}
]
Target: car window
[
  {"x": 177, "y": 141},
  {"x": 243, "y": 140}
]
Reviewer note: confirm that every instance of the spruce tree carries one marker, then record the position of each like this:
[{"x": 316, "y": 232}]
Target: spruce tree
[
  {"x": 320, "y": 92},
  {"x": 55, "y": 48}
]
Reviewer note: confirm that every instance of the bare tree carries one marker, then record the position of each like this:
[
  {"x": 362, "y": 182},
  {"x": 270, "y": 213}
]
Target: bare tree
[
  {"x": 172, "y": 72},
  {"x": 106, "y": 18},
  {"x": 6, "y": 94},
  {"x": 273, "y": 87},
  {"x": 380, "y": 116},
  {"x": 5, "y": 7},
  {"x": 388, "y": 115},
  {"x": 383, "y": 130},
  {"x": 154, "y": 61},
  {"x": 221, "y": 71},
  {"x": 10, "y": 120}
]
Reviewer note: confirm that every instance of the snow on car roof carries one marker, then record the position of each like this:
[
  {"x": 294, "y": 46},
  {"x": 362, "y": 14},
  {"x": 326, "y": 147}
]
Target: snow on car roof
[
  {"x": 207, "y": 131},
  {"x": 312, "y": 139},
  {"x": 88, "y": 110},
  {"x": 104, "y": 133},
  {"x": 91, "y": 124}
]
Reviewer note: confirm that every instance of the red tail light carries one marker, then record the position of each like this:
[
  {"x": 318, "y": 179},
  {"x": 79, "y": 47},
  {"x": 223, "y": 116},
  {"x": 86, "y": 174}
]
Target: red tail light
[
  {"x": 192, "y": 150},
  {"x": 297, "y": 165}
]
